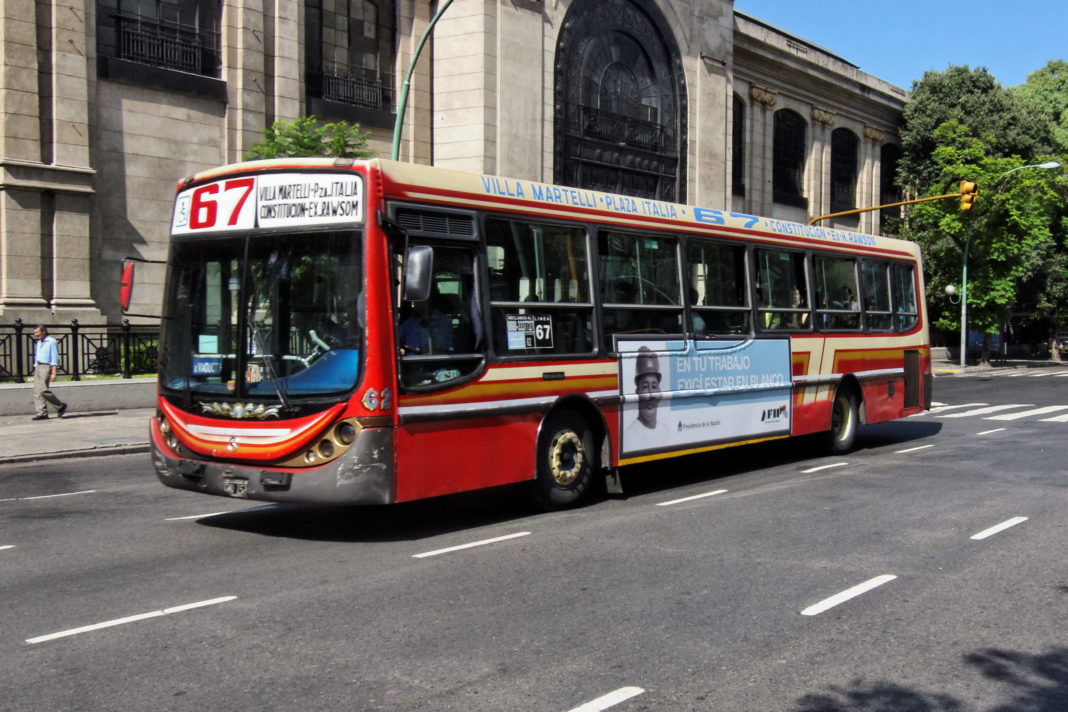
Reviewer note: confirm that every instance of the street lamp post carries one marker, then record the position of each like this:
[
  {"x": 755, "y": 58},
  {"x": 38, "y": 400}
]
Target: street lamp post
[
  {"x": 402, "y": 103},
  {"x": 1048, "y": 165}
]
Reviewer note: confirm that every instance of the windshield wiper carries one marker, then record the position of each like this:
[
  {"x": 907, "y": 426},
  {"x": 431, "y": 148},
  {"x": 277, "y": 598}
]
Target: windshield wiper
[{"x": 268, "y": 362}]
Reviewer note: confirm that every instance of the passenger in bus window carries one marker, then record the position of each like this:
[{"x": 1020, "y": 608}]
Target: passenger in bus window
[
  {"x": 850, "y": 301},
  {"x": 800, "y": 319},
  {"x": 698, "y": 320},
  {"x": 412, "y": 333}
]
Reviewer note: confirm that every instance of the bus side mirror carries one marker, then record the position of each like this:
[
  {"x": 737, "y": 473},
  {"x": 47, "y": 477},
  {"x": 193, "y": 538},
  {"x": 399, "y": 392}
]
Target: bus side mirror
[
  {"x": 126, "y": 286},
  {"x": 418, "y": 267}
]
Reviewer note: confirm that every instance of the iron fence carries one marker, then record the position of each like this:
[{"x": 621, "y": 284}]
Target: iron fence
[{"x": 124, "y": 350}]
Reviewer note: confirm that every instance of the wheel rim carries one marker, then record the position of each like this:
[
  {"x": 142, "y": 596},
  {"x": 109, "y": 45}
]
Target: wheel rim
[
  {"x": 566, "y": 458},
  {"x": 843, "y": 418}
]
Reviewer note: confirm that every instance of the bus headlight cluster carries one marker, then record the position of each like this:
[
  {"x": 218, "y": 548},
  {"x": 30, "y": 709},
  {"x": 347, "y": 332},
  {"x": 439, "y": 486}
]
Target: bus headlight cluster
[
  {"x": 168, "y": 435},
  {"x": 332, "y": 444}
]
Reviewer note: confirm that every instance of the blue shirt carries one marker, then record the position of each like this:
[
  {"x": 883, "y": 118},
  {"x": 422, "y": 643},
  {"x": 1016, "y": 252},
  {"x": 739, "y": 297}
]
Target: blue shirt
[{"x": 47, "y": 351}]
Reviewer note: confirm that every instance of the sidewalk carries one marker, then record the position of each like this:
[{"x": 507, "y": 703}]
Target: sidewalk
[{"x": 79, "y": 434}]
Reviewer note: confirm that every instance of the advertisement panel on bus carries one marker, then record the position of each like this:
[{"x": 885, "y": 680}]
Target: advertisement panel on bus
[{"x": 679, "y": 393}]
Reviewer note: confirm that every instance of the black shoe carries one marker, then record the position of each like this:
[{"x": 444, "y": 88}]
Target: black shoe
[
  {"x": 62, "y": 410},
  {"x": 39, "y": 417}
]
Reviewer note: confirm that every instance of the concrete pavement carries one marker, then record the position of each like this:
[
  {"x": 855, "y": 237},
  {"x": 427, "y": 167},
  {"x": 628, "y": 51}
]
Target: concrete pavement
[
  {"x": 78, "y": 434},
  {"x": 121, "y": 428}
]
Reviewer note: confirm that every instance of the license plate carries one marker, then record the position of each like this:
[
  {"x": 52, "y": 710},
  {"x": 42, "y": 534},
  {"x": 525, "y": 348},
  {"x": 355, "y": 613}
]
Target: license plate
[{"x": 236, "y": 486}]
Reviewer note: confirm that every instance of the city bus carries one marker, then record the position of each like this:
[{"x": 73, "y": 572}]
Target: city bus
[{"x": 374, "y": 332}]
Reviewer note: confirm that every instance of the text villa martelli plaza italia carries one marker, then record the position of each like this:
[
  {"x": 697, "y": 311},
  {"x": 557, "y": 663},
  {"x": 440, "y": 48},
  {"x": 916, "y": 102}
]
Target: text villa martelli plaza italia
[{"x": 626, "y": 205}]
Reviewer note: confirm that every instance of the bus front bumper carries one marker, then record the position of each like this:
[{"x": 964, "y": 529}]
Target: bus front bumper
[{"x": 362, "y": 475}]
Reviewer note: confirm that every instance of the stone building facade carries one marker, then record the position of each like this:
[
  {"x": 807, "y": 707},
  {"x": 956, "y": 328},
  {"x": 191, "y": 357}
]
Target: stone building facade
[{"x": 106, "y": 104}]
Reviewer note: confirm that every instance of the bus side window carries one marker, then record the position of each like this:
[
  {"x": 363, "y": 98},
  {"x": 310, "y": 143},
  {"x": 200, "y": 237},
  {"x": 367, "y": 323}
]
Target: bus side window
[
  {"x": 719, "y": 288},
  {"x": 440, "y": 338},
  {"x": 837, "y": 307},
  {"x": 782, "y": 290},
  {"x": 640, "y": 289},
  {"x": 539, "y": 285},
  {"x": 876, "y": 284},
  {"x": 904, "y": 287}
]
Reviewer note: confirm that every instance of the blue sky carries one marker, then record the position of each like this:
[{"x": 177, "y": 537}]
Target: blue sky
[{"x": 899, "y": 41}]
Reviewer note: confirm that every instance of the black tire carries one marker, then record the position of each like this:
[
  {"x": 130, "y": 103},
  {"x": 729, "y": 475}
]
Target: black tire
[
  {"x": 845, "y": 419},
  {"x": 567, "y": 461}
]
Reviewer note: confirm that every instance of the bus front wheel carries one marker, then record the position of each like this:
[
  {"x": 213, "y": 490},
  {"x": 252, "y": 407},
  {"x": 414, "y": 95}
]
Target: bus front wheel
[
  {"x": 844, "y": 421},
  {"x": 566, "y": 461}
]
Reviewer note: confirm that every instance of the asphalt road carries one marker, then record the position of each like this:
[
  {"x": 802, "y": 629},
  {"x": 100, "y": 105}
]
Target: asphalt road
[{"x": 772, "y": 577}]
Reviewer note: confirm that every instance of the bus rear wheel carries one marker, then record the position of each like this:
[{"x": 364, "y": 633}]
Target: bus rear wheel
[
  {"x": 845, "y": 419},
  {"x": 567, "y": 460}
]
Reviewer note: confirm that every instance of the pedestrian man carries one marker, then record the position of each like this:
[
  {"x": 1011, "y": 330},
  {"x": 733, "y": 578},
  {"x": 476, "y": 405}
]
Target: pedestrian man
[{"x": 45, "y": 361}]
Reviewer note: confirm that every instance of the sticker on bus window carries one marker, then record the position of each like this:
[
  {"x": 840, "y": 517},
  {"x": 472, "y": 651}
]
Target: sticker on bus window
[
  {"x": 529, "y": 331},
  {"x": 203, "y": 366}
]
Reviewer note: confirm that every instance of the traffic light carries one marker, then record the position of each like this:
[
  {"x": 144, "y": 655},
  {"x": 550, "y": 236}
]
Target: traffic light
[{"x": 968, "y": 192}]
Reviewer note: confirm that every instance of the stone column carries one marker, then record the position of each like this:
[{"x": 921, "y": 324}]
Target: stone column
[
  {"x": 820, "y": 172},
  {"x": 244, "y": 63},
  {"x": 761, "y": 148},
  {"x": 45, "y": 179},
  {"x": 871, "y": 179}
]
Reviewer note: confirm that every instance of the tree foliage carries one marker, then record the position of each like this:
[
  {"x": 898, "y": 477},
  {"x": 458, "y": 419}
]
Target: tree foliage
[
  {"x": 974, "y": 99},
  {"x": 302, "y": 138},
  {"x": 962, "y": 125},
  {"x": 1046, "y": 91}
]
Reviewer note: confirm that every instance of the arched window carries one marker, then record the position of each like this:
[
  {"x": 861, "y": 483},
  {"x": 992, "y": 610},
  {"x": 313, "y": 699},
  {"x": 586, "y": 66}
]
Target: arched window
[
  {"x": 788, "y": 156},
  {"x": 844, "y": 148},
  {"x": 738, "y": 148},
  {"x": 889, "y": 156},
  {"x": 620, "y": 101}
]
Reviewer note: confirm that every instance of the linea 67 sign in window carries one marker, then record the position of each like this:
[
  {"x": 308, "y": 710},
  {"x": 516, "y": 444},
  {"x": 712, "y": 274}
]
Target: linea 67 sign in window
[{"x": 274, "y": 200}]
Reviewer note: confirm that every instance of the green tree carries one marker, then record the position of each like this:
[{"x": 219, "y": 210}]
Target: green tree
[
  {"x": 1013, "y": 236},
  {"x": 302, "y": 137},
  {"x": 978, "y": 102},
  {"x": 1046, "y": 91},
  {"x": 962, "y": 125}
]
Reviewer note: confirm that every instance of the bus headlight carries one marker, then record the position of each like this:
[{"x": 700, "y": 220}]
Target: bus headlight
[{"x": 345, "y": 433}]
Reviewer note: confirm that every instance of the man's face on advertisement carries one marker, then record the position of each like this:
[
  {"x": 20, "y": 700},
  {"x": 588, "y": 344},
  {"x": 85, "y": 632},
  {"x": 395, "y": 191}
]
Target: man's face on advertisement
[{"x": 648, "y": 397}]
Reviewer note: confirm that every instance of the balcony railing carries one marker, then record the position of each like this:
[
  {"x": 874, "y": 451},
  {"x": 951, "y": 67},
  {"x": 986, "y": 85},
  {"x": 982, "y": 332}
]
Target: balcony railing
[
  {"x": 83, "y": 350},
  {"x": 625, "y": 130},
  {"x": 369, "y": 90},
  {"x": 168, "y": 45}
]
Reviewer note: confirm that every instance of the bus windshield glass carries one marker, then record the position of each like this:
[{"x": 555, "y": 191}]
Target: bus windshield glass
[{"x": 271, "y": 319}]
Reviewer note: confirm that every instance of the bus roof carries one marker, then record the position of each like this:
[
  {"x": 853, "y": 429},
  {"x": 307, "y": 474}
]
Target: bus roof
[{"x": 463, "y": 190}]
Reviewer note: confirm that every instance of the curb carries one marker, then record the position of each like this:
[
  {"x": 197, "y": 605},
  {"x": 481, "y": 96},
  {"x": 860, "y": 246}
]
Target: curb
[{"x": 135, "y": 449}]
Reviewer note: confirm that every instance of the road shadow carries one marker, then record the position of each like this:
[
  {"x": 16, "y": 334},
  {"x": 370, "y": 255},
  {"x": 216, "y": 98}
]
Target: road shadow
[
  {"x": 662, "y": 475},
  {"x": 397, "y": 522},
  {"x": 472, "y": 510},
  {"x": 1034, "y": 683},
  {"x": 897, "y": 432}
]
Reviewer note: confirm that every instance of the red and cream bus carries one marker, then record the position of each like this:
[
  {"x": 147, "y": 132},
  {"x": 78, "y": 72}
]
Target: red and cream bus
[{"x": 372, "y": 332}]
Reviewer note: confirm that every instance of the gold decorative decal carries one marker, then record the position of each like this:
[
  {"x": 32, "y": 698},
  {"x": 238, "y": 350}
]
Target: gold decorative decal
[{"x": 242, "y": 411}]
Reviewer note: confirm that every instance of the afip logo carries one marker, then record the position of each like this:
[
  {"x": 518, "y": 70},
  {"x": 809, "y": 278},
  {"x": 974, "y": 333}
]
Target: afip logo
[{"x": 773, "y": 414}]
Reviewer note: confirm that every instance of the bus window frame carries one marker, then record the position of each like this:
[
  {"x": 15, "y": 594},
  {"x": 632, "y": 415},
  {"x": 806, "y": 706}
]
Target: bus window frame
[
  {"x": 600, "y": 305},
  {"x": 398, "y": 263},
  {"x": 765, "y": 316},
  {"x": 591, "y": 305},
  {"x": 689, "y": 289}
]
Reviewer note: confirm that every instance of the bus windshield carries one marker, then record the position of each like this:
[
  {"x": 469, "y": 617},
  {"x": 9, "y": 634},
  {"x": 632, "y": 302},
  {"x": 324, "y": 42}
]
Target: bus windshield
[{"x": 272, "y": 320}]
